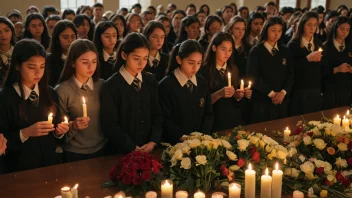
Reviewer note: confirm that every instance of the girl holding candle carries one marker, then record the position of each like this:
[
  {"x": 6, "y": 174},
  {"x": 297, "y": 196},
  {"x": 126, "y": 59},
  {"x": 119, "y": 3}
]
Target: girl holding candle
[
  {"x": 7, "y": 42},
  {"x": 336, "y": 67},
  {"x": 80, "y": 78},
  {"x": 64, "y": 34},
  {"x": 25, "y": 102},
  {"x": 35, "y": 28},
  {"x": 189, "y": 29},
  {"x": 157, "y": 64},
  {"x": 105, "y": 40},
  {"x": 184, "y": 95},
  {"x": 272, "y": 80},
  {"x": 306, "y": 89},
  {"x": 130, "y": 111},
  {"x": 227, "y": 101}
]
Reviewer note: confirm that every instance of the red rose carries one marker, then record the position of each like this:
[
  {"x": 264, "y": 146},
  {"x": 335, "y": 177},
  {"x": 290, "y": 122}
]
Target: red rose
[
  {"x": 350, "y": 145},
  {"x": 129, "y": 170},
  {"x": 349, "y": 161},
  {"x": 241, "y": 162},
  {"x": 136, "y": 153},
  {"x": 136, "y": 166},
  {"x": 346, "y": 182},
  {"x": 146, "y": 175},
  {"x": 256, "y": 157},
  {"x": 297, "y": 131},
  {"x": 319, "y": 170},
  {"x": 128, "y": 156},
  {"x": 310, "y": 134},
  {"x": 156, "y": 166},
  {"x": 224, "y": 170},
  {"x": 113, "y": 174},
  {"x": 145, "y": 166},
  {"x": 137, "y": 180},
  {"x": 127, "y": 180},
  {"x": 340, "y": 177},
  {"x": 252, "y": 150},
  {"x": 327, "y": 182}
]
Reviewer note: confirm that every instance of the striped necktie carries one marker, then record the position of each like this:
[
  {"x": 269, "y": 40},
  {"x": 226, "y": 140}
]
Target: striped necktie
[
  {"x": 309, "y": 47},
  {"x": 33, "y": 97},
  {"x": 155, "y": 62},
  {"x": 85, "y": 87},
  {"x": 111, "y": 60},
  {"x": 273, "y": 51},
  {"x": 189, "y": 85},
  {"x": 136, "y": 84},
  {"x": 341, "y": 48},
  {"x": 222, "y": 72}
]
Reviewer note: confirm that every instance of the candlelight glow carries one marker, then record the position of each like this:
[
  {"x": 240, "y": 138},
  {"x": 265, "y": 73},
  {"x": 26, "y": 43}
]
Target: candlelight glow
[
  {"x": 84, "y": 100},
  {"x": 337, "y": 116},
  {"x": 249, "y": 166},
  {"x": 348, "y": 112},
  {"x": 286, "y": 128},
  {"x": 250, "y": 83},
  {"x": 320, "y": 49},
  {"x": 66, "y": 188},
  {"x": 277, "y": 166},
  {"x": 266, "y": 172},
  {"x": 229, "y": 75},
  {"x": 167, "y": 183},
  {"x": 50, "y": 114},
  {"x": 76, "y": 186},
  {"x": 66, "y": 121},
  {"x": 242, "y": 82}
]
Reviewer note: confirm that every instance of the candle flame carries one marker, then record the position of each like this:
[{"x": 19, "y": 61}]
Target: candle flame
[
  {"x": 167, "y": 183},
  {"x": 266, "y": 172},
  {"x": 84, "y": 100},
  {"x": 250, "y": 83},
  {"x": 229, "y": 75},
  {"x": 66, "y": 121},
  {"x": 120, "y": 196},
  {"x": 242, "y": 82},
  {"x": 50, "y": 114},
  {"x": 286, "y": 128},
  {"x": 76, "y": 186},
  {"x": 344, "y": 117},
  {"x": 348, "y": 112},
  {"x": 249, "y": 166},
  {"x": 277, "y": 166},
  {"x": 320, "y": 49},
  {"x": 337, "y": 116}
]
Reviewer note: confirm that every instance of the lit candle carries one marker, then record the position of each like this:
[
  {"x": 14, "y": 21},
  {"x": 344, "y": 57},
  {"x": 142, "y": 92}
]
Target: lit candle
[
  {"x": 348, "y": 114},
  {"x": 234, "y": 190},
  {"x": 166, "y": 189},
  {"x": 345, "y": 123},
  {"x": 320, "y": 49},
  {"x": 287, "y": 133},
  {"x": 84, "y": 107},
  {"x": 242, "y": 85},
  {"x": 66, "y": 120},
  {"x": 249, "y": 84},
  {"x": 50, "y": 118},
  {"x": 199, "y": 194},
  {"x": 277, "y": 182},
  {"x": 151, "y": 194},
  {"x": 181, "y": 194},
  {"x": 74, "y": 191},
  {"x": 229, "y": 78},
  {"x": 216, "y": 195},
  {"x": 249, "y": 183},
  {"x": 298, "y": 194},
  {"x": 337, "y": 120},
  {"x": 265, "y": 185},
  {"x": 120, "y": 194},
  {"x": 66, "y": 192}
]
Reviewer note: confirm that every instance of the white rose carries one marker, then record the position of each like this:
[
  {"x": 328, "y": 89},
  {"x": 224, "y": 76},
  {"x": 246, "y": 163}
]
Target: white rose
[
  {"x": 272, "y": 154},
  {"x": 319, "y": 144},
  {"x": 259, "y": 135},
  {"x": 216, "y": 143},
  {"x": 234, "y": 168},
  {"x": 292, "y": 152},
  {"x": 341, "y": 162},
  {"x": 201, "y": 159},
  {"x": 287, "y": 171},
  {"x": 307, "y": 140},
  {"x": 194, "y": 143},
  {"x": 295, "y": 172},
  {"x": 307, "y": 167},
  {"x": 226, "y": 144},
  {"x": 186, "y": 163},
  {"x": 173, "y": 162},
  {"x": 268, "y": 148},
  {"x": 281, "y": 152},
  {"x": 178, "y": 154},
  {"x": 254, "y": 140},
  {"x": 186, "y": 149},
  {"x": 261, "y": 143},
  {"x": 342, "y": 146},
  {"x": 196, "y": 134},
  {"x": 205, "y": 143},
  {"x": 336, "y": 129},
  {"x": 316, "y": 131},
  {"x": 231, "y": 155},
  {"x": 269, "y": 141},
  {"x": 242, "y": 144},
  {"x": 207, "y": 137}
]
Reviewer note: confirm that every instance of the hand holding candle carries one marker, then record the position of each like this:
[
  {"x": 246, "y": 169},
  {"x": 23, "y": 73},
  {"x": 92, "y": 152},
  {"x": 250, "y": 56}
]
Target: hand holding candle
[
  {"x": 84, "y": 106},
  {"x": 249, "y": 85}
]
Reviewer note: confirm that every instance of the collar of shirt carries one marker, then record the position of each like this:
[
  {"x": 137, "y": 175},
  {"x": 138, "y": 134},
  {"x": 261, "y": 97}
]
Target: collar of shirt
[
  {"x": 251, "y": 39},
  {"x": 218, "y": 67},
  {"x": 63, "y": 57},
  {"x": 107, "y": 56},
  {"x": 269, "y": 47},
  {"x": 90, "y": 83},
  {"x": 128, "y": 77},
  {"x": 4, "y": 55},
  {"x": 305, "y": 42},
  {"x": 182, "y": 79},
  {"x": 337, "y": 45},
  {"x": 27, "y": 91},
  {"x": 151, "y": 58}
]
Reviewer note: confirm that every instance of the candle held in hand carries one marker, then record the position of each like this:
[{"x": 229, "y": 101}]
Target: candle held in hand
[
  {"x": 242, "y": 85},
  {"x": 249, "y": 85},
  {"x": 229, "y": 79},
  {"x": 50, "y": 118},
  {"x": 84, "y": 106}
]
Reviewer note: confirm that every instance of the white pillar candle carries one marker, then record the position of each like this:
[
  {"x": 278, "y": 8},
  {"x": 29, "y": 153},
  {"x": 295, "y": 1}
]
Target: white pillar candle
[
  {"x": 298, "y": 194},
  {"x": 234, "y": 190},
  {"x": 181, "y": 194},
  {"x": 229, "y": 78},
  {"x": 276, "y": 189},
  {"x": 345, "y": 123},
  {"x": 74, "y": 191},
  {"x": 151, "y": 194},
  {"x": 120, "y": 194},
  {"x": 84, "y": 106},
  {"x": 50, "y": 118},
  {"x": 66, "y": 120},
  {"x": 199, "y": 194},
  {"x": 249, "y": 183},
  {"x": 249, "y": 84},
  {"x": 265, "y": 185},
  {"x": 242, "y": 85},
  {"x": 337, "y": 120},
  {"x": 287, "y": 134},
  {"x": 166, "y": 189},
  {"x": 215, "y": 195},
  {"x": 348, "y": 113},
  {"x": 66, "y": 192}
]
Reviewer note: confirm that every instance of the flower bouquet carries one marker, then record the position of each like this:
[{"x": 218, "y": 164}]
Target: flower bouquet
[{"x": 136, "y": 173}]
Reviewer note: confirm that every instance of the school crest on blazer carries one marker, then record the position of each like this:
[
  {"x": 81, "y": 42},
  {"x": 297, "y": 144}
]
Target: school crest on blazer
[
  {"x": 201, "y": 102},
  {"x": 284, "y": 61}
]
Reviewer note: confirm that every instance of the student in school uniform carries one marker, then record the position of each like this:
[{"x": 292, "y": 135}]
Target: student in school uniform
[
  {"x": 189, "y": 29},
  {"x": 157, "y": 64},
  {"x": 121, "y": 25},
  {"x": 105, "y": 40},
  {"x": 7, "y": 41},
  {"x": 227, "y": 100},
  {"x": 130, "y": 114},
  {"x": 167, "y": 47},
  {"x": 80, "y": 78},
  {"x": 184, "y": 95},
  {"x": 26, "y": 103},
  {"x": 269, "y": 65},
  {"x": 35, "y": 28},
  {"x": 64, "y": 34},
  {"x": 176, "y": 19},
  {"x": 84, "y": 26},
  {"x": 255, "y": 25},
  {"x": 134, "y": 22},
  {"x": 3, "y": 146},
  {"x": 336, "y": 68},
  {"x": 212, "y": 25},
  {"x": 306, "y": 88}
]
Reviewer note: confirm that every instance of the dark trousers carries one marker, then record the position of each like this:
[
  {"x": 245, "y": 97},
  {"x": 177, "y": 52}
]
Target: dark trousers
[{"x": 71, "y": 157}]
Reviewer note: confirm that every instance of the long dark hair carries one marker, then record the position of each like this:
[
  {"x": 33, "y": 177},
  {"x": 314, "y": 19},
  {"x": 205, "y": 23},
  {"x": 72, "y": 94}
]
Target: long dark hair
[
  {"x": 339, "y": 21},
  {"x": 268, "y": 23},
  {"x": 187, "y": 21},
  {"x": 300, "y": 29},
  {"x": 252, "y": 17},
  {"x": 209, "y": 62},
  {"x": 129, "y": 17},
  {"x": 100, "y": 28},
  {"x": 22, "y": 52},
  {"x": 203, "y": 6},
  {"x": 68, "y": 12},
  {"x": 120, "y": 17},
  {"x": 228, "y": 29},
  {"x": 79, "y": 20},
  {"x": 77, "y": 48},
  {"x": 7, "y": 22},
  {"x": 55, "y": 47},
  {"x": 48, "y": 9},
  {"x": 131, "y": 42},
  {"x": 208, "y": 21},
  {"x": 183, "y": 50},
  {"x": 45, "y": 38},
  {"x": 151, "y": 26}
]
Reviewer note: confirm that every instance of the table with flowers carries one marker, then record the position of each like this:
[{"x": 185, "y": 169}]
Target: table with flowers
[{"x": 306, "y": 139}]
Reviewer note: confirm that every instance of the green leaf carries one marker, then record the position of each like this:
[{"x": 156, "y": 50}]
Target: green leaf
[{"x": 109, "y": 184}]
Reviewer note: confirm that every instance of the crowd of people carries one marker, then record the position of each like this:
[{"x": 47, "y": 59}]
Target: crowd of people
[{"x": 118, "y": 82}]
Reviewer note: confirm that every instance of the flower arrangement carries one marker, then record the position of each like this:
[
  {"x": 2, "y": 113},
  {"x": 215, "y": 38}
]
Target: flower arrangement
[
  {"x": 136, "y": 173},
  {"x": 195, "y": 163},
  {"x": 323, "y": 159}
]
